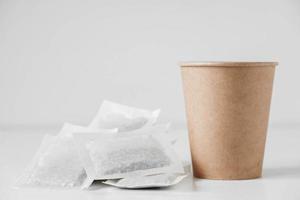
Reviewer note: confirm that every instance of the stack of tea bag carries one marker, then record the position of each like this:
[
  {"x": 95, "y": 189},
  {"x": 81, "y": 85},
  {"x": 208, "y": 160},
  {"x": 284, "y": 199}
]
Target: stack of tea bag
[{"x": 122, "y": 146}]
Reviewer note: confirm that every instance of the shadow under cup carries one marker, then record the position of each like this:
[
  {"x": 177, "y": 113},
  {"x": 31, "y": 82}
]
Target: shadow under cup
[{"x": 227, "y": 108}]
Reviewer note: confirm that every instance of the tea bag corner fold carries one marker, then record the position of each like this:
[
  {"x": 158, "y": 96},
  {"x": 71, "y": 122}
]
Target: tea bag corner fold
[
  {"x": 154, "y": 116},
  {"x": 124, "y": 118}
]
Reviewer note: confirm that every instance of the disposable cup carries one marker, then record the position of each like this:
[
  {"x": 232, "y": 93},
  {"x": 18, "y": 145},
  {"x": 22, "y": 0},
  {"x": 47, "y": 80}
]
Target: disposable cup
[{"x": 227, "y": 108}]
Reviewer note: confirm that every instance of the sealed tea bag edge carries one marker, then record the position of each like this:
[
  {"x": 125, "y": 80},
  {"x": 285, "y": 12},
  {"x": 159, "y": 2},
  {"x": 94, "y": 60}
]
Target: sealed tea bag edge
[
  {"x": 68, "y": 129},
  {"x": 121, "y": 183}
]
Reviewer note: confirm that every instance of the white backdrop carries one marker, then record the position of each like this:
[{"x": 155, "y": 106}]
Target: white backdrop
[{"x": 59, "y": 59}]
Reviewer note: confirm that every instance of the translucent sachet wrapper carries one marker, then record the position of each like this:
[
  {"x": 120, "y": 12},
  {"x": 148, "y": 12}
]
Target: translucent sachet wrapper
[
  {"x": 113, "y": 115},
  {"x": 57, "y": 162},
  {"x": 118, "y": 155},
  {"x": 150, "y": 181}
]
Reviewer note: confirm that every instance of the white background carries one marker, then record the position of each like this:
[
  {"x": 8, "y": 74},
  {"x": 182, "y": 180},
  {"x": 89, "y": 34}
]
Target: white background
[{"x": 59, "y": 59}]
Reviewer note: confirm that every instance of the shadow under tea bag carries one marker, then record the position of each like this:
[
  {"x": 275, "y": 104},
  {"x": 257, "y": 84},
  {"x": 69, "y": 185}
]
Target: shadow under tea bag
[
  {"x": 118, "y": 155},
  {"x": 112, "y": 115},
  {"x": 150, "y": 181}
]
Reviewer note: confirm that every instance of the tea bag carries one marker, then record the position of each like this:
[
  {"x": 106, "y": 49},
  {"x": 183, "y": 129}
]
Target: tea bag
[
  {"x": 57, "y": 162},
  {"x": 124, "y": 118},
  {"x": 150, "y": 181},
  {"x": 118, "y": 155}
]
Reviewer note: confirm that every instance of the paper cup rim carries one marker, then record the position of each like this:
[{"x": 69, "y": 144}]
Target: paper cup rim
[{"x": 226, "y": 64}]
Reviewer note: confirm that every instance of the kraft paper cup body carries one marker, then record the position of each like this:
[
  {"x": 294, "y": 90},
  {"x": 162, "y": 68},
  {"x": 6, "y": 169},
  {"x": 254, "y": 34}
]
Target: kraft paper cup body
[{"x": 227, "y": 107}]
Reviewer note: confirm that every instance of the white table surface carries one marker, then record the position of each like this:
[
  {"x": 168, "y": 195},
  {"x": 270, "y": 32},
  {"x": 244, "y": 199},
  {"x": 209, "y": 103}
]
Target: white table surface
[{"x": 281, "y": 173}]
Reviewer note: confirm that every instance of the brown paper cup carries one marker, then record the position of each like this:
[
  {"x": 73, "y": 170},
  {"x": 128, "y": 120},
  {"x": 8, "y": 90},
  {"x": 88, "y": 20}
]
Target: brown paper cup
[{"x": 227, "y": 106}]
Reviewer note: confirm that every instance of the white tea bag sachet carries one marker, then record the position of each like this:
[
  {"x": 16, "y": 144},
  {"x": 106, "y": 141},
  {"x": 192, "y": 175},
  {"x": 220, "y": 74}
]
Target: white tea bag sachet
[
  {"x": 118, "y": 155},
  {"x": 113, "y": 115},
  {"x": 150, "y": 181},
  {"x": 56, "y": 164}
]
